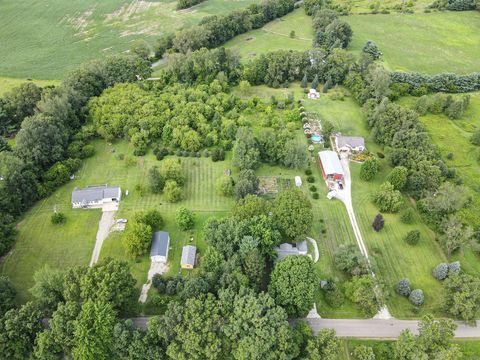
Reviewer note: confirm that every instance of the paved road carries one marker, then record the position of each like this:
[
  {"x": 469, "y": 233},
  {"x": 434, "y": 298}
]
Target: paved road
[
  {"x": 363, "y": 329},
  {"x": 381, "y": 329}
]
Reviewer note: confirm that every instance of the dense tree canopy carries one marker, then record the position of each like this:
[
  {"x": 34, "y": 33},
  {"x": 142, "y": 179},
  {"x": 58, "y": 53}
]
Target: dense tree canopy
[
  {"x": 293, "y": 283},
  {"x": 293, "y": 214}
]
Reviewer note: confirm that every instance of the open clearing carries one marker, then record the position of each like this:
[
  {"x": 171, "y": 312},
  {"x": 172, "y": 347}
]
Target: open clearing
[
  {"x": 39, "y": 242},
  {"x": 44, "y": 39},
  {"x": 366, "y": 6},
  {"x": 275, "y": 36},
  {"x": 7, "y": 84},
  {"x": 429, "y": 43}
]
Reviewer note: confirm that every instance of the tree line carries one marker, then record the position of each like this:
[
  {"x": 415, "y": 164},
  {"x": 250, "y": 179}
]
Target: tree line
[
  {"x": 50, "y": 140},
  {"x": 214, "y": 31},
  {"x": 185, "y": 4}
]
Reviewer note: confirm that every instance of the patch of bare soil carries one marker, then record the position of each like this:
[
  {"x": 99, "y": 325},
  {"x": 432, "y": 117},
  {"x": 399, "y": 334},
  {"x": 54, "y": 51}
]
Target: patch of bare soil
[{"x": 267, "y": 185}]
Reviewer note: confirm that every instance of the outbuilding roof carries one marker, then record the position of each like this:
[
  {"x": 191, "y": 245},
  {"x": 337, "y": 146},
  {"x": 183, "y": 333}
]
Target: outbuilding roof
[
  {"x": 95, "y": 193},
  {"x": 160, "y": 242},
  {"x": 188, "y": 255},
  {"x": 330, "y": 162},
  {"x": 350, "y": 141}
]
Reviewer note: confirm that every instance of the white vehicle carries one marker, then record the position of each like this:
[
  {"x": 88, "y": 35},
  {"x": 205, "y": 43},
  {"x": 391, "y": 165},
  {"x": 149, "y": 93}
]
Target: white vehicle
[{"x": 122, "y": 221}]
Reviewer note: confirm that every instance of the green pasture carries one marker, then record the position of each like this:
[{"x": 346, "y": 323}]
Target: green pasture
[
  {"x": 367, "y": 6},
  {"x": 45, "y": 39},
  {"x": 430, "y": 43},
  {"x": 275, "y": 36}
]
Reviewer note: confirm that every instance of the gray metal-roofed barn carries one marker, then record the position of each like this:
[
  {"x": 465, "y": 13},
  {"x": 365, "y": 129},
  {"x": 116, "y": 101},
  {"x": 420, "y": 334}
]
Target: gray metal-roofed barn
[{"x": 160, "y": 244}]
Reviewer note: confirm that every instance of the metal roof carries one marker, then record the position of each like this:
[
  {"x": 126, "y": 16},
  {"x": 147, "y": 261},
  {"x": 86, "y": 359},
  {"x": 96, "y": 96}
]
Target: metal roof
[
  {"x": 95, "y": 193},
  {"x": 188, "y": 255},
  {"x": 160, "y": 242},
  {"x": 350, "y": 141},
  {"x": 330, "y": 162}
]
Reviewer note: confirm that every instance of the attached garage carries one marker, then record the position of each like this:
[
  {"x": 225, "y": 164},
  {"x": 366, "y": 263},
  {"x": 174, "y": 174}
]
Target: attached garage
[{"x": 330, "y": 165}]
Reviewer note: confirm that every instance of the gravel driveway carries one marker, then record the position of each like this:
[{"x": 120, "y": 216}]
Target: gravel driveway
[{"x": 104, "y": 226}]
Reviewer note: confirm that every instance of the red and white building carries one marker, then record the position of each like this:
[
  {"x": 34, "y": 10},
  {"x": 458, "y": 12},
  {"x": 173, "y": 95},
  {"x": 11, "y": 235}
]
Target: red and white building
[{"x": 330, "y": 164}]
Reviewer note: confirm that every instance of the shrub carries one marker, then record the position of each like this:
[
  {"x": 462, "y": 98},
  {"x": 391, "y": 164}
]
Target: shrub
[
  {"x": 225, "y": 186},
  {"x": 308, "y": 172},
  {"x": 316, "y": 196},
  {"x": 475, "y": 138},
  {"x": 349, "y": 259},
  {"x": 159, "y": 283},
  {"x": 369, "y": 169},
  {"x": 378, "y": 223},
  {"x": 454, "y": 268},
  {"x": 416, "y": 297},
  {"x": 310, "y": 179},
  {"x": 407, "y": 216},
  {"x": 334, "y": 297},
  {"x": 403, "y": 287},
  {"x": 412, "y": 237},
  {"x": 363, "y": 352},
  {"x": 313, "y": 188},
  {"x": 184, "y": 219},
  {"x": 172, "y": 191},
  {"x": 387, "y": 198},
  {"x": 218, "y": 154},
  {"x": 440, "y": 272},
  {"x": 58, "y": 218}
]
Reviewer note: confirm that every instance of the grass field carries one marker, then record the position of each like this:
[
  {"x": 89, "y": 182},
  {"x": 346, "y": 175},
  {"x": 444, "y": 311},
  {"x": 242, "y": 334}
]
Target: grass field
[
  {"x": 275, "y": 36},
  {"x": 40, "y": 243},
  {"x": 44, "y": 39},
  {"x": 366, "y": 6},
  {"x": 453, "y": 136},
  {"x": 7, "y": 84},
  {"x": 429, "y": 43},
  {"x": 382, "y": 349}
]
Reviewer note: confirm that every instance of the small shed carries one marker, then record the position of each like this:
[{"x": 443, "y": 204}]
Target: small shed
[
  {"x": 160, "y": 245},
  {"x": 298, "y": 181},
  {"x": 189, "y": 253}
]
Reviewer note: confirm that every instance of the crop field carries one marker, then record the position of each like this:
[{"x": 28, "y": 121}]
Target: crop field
[
  {"x": 429, "y": 43},
  {"x": 39, "y": 242},
  {"x": 275, "y": 36},
  {"x": 44, "y": 39}
]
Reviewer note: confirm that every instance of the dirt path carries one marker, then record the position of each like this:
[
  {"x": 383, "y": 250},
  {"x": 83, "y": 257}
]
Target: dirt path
[
  {"x": 104, "y": 226},
  {"x": 155, "y": 268}
]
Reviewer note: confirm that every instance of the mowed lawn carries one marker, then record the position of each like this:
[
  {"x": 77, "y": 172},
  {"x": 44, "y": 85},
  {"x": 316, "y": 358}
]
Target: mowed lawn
[
  {"x": 275, "y": 36},
  {"x": 429, "y": 43},
  {"x": 44, "y": 39},
  {"x": 366, "y": 6},
  {"x": 39, "y": 242}
]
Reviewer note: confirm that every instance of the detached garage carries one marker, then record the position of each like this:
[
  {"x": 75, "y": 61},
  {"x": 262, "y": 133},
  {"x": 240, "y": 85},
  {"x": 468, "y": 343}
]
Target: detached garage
[
  {"x": 330, "y": 165},
  {"x": 160, "y": 244}
]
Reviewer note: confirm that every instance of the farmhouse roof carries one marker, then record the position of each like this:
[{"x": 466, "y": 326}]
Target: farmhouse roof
[
  {"x": 160, "y": 243},
  {"x": 95, "y": 193},
  {"x": 350, "y": 141},
  {"x": 188, "y": 255},
  {"x": 330, "y": 162},
  {"x": 302, "y": 246}
]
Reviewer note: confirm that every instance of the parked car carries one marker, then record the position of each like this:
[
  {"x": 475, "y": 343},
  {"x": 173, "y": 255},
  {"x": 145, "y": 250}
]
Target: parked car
[
  {"x": 122, "y": 221},
  {"x": 340, "y": 185}
]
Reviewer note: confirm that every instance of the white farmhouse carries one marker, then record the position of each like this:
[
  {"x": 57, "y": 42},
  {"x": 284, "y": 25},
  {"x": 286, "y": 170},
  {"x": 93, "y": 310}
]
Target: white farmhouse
[
  {"x": 95, "y": 196},
  {"x": 350, "y": 143}
]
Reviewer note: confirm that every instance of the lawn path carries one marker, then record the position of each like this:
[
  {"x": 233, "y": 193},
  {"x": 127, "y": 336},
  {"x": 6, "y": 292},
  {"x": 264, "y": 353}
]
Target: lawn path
[
  {"x": 104, "y": 226},
  {"x": 345, "y": 196}
]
